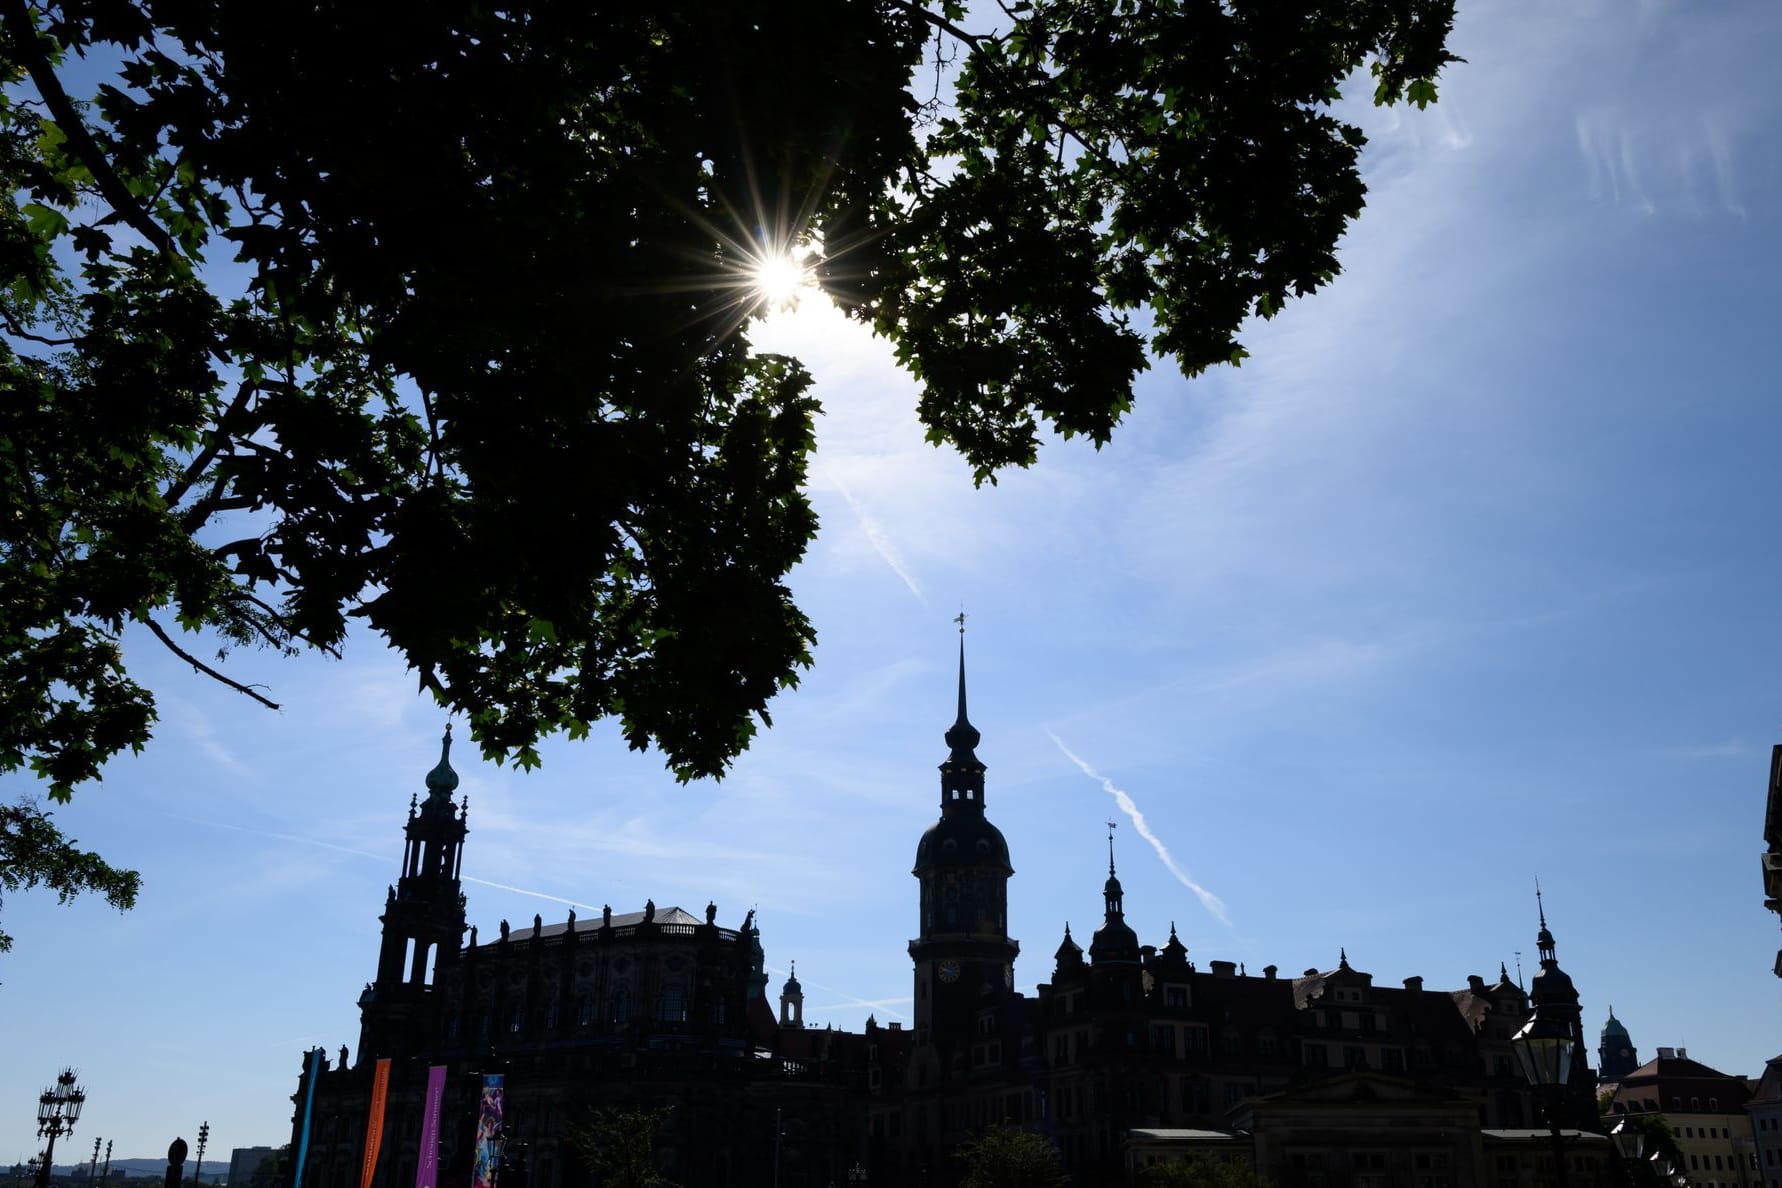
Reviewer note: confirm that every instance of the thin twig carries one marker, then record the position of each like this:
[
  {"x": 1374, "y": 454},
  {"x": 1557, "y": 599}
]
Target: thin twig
[
  {"x": 1015, "y": 91},
  {"x": 201, "y": 666}
]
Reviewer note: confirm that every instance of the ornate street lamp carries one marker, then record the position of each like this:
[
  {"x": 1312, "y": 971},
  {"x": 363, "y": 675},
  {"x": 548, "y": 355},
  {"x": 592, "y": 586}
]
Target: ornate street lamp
[
  {"x": 1630, "y": 1144},
  {"x": 58, "y": 1108},
  {"x": 1545, "y": 1047}
]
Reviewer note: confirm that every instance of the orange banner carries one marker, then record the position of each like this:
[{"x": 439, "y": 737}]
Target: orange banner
[{"x": 374, "y": 1129}]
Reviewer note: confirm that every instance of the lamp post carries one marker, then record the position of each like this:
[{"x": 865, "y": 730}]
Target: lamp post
[
  {"x": 198, "y": 1168},
  {"x": 93, "y": 1172},
  {"x": 58, "y": 1108},
  {"x": 1544, "y": 1047},
  {"x": 1630, "y": 1144}
]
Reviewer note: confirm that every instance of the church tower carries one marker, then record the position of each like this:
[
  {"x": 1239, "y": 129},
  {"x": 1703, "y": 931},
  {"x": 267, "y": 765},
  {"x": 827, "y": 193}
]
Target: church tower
[
  {"x": 1553, "y": 995},
  {"x": 963, "y": 956},
  {"x": 1616, "y": 1055},
  {"x": 423, "y": 920}
]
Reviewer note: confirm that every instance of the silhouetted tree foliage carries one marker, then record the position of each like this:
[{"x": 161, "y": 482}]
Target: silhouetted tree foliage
[
  {"x": 34, "y": 853},
  {"x": 619, "y": 1147},
  {"x": 433, "y": 314},
  {"x": 1007, "y": 1157},
  {"x": 1202, "y": 1171}
]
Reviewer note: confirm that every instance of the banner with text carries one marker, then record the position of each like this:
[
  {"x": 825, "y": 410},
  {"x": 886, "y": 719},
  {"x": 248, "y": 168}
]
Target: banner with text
[
  {"x": 488, "y": 1127},
  {"x": 427, "y": 1167},
  {"x": 374, "y": 1126}
]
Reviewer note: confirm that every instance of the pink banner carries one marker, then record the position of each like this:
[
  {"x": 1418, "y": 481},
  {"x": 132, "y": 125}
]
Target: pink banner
[{"x": 427, "y": 1170}]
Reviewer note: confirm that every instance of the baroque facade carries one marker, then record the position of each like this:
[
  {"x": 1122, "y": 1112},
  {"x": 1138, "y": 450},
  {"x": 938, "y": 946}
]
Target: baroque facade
[{"x": 1131, "y": 1052}]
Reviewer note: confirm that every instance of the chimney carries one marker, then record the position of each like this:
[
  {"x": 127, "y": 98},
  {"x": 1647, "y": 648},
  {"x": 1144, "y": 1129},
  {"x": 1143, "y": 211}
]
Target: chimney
[
  {"x": 1269, "y": 972},
  {"x": 896, "y": 1026},
  {"x": 1682, "y": 1053},
  {"x": 1475, "y": 983},
  {"x": 1225, "y": 969},
  {"x": 1413, "y": 983},
  {"x": 1667, "y": 1053},
  {"x": 1310, "y": 972}
]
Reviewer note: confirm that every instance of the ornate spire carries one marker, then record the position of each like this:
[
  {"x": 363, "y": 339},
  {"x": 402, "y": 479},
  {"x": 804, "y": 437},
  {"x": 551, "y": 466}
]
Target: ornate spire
[
  {"x": 963, "y": 737},
  {"x": 1544, "y": 939},
  {"x": 1112, "y": 892},
  {"x": 442, "y": 781}
]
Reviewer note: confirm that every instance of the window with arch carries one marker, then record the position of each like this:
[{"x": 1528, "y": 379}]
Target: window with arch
[
  {"x": 584, "y": 1010},
  {"x": 516, "y": 1018},
  {"x": 622, "y": 1005},
  {"x": 671, "y": 1007}
]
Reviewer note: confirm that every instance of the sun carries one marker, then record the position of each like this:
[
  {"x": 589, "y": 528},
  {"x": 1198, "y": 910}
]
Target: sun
[{"x": 779, "y": 279}]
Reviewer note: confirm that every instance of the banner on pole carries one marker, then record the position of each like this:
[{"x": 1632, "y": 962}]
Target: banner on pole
[
  {"x": 374, "y": 1125},
  {"x": 427, "y": 1166},
  {"x": 488, "y": 1126},
  {"x": 309, "y": 1105}
]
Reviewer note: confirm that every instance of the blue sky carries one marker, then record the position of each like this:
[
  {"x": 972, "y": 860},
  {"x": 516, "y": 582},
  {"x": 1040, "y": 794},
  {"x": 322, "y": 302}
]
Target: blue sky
[{"x": 1468, "y": 575}]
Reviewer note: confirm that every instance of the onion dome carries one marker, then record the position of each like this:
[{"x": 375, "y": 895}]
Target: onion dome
[{"x": 442, "y": 780}]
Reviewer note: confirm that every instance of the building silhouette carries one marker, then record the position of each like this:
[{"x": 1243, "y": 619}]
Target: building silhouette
[{"x": 1129, "y": 1053}]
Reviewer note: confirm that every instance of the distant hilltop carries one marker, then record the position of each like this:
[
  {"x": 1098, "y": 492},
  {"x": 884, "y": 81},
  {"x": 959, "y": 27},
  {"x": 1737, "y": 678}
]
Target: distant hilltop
[{"x": 215, "y": 1171}]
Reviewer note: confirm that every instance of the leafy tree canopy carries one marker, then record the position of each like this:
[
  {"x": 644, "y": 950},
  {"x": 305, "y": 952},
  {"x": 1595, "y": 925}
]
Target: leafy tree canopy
[
  {"x": 1007, "y": 1157},
  {"x": 1202, "y": 1171},
  {"x": 34, "y": 853},
  {"x": 433, "y": 314},
  {"x": 618, "y": 1147}
]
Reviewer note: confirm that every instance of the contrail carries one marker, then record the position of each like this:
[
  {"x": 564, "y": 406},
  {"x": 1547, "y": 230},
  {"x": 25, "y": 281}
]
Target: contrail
[
  {"x": 310, "y": 841},
  {"x": 872, "y": 1004},
  {"x": 1208, "y": 900},
  {"x": 876, "y": 536}
]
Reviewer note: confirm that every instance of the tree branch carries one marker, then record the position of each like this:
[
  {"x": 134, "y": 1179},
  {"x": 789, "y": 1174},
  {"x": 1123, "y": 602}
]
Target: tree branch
[
  {"x": 15, "y": 17},
  {"x": 1011, "y": 87},
  {"x": 200, "y": 666},
  {"x": 199, "y": 464}
]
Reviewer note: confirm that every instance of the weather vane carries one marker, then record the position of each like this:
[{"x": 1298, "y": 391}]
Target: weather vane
[{"x": 960, "y": 619}]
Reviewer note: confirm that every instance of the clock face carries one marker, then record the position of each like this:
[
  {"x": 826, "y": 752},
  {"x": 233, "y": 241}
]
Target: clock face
[{"x": 949, "y": 970}]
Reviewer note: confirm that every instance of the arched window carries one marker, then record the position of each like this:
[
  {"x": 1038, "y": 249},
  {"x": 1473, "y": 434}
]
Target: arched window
[
  {"x": 584, "y": 1010},
  {"x": 672, "y": 1006},
  {"x": 550, "y": 1014},
  {"x": 516, "y": 1018},
  {"x": 622, "y": 1005}
]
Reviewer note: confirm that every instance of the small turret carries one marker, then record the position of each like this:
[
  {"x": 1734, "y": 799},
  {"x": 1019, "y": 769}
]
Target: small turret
[{"x": 792, "y": 1000}]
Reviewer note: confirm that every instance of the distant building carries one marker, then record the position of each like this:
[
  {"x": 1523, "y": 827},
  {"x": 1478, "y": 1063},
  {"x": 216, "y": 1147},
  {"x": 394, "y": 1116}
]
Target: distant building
[
  {"x": 245, "y": 1161},
  {"x": 1765, "y": 1110},
  {"x": 1128, "y": 1054},
  {"x": 1706, "y": 1111}
]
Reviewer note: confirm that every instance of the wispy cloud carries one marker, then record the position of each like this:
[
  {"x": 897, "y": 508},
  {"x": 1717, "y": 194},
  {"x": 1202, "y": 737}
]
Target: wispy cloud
[
  {"x": 872, "y": 1004},
  {"x": 1208, "y": 900},
  {"x": 338, "y": 849},
  {"x": 875, "y": 535},
  {"x": 1730, "y": 749}
]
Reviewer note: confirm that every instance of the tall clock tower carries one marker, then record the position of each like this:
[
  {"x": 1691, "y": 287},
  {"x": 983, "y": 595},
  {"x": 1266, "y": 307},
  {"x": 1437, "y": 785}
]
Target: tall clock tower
[{"x": 963, "y": 955}]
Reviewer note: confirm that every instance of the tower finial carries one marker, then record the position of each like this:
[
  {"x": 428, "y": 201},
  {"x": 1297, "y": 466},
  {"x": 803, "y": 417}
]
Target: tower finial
[
  {"x": 1111, "y": 849},
  {"x": 963, "y": 720},
  {"x": 442, "y": 780},
  {"x": 962, "y": 737},
  {"x": 1539, "y": 906}
]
